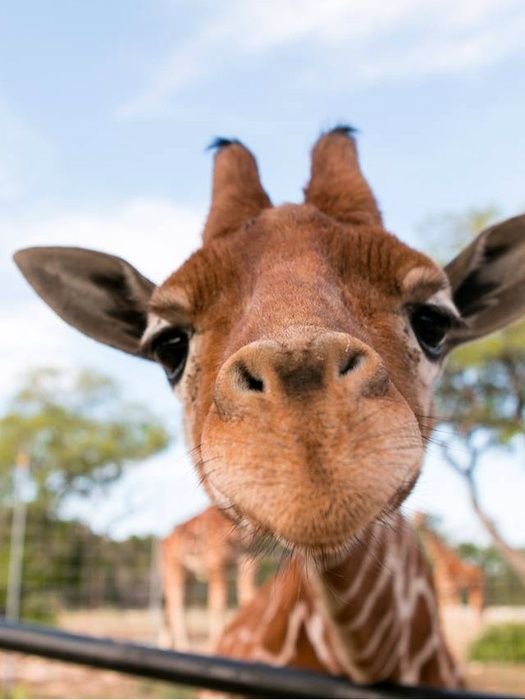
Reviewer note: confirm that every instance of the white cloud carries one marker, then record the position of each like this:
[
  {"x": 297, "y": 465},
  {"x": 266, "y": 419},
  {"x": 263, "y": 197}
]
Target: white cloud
[
  {"x": 29, "y": 331},
  {"x": 377, "y": 40},
  {"x": 155, "y": 235}
]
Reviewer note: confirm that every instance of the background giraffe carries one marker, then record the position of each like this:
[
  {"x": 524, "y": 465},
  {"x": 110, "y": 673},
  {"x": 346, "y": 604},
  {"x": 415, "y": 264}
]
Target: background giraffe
[
  {"x": 454, "y": 578},
  {"x": 206, "y": 546}
]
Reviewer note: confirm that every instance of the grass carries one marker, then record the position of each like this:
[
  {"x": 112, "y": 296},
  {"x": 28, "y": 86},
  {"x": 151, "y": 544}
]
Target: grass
[{"x": 504, "y": 643}]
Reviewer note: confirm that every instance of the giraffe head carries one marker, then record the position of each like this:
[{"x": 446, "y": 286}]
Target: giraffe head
[{"x": 304, "y": 340}]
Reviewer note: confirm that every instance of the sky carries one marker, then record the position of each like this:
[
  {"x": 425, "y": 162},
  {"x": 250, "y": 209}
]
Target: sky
[{"x": 106, "y": 110}]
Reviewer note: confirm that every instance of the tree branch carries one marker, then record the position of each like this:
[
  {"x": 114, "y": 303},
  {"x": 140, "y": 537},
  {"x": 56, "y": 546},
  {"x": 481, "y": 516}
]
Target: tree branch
[{"x": 513, "y": 557}]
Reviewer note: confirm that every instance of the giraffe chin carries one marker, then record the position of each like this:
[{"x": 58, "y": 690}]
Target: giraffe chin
[
  {"x": 259, "y": 539},
  {"x": 311, "y": 534}
]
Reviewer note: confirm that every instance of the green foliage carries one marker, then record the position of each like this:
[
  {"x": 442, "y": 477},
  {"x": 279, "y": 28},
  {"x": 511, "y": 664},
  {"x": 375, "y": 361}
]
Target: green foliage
[
  {"x": 41, "y": 607},
  {"x": 504, "y": 643},
  {"x": 19, "y": 692},
  {"x": 502, "y": 585},
  {"x": 66, "y": 565},
  {"x": 483, "y": 388},
  {"x": 77, "y": 432}
]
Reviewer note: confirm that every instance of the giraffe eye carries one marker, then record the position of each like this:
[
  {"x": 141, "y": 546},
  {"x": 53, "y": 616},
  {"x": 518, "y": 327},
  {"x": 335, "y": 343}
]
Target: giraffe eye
[
  {"x": 430, "y": 325},
  {"x": 170, "y": 349}
]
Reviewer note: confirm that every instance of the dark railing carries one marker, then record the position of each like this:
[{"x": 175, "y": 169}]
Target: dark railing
[{"x": 227, "y": 675}]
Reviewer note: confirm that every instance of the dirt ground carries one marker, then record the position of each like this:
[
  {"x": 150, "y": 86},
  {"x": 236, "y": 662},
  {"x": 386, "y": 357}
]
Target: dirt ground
[{"x": 39, "y": 678}]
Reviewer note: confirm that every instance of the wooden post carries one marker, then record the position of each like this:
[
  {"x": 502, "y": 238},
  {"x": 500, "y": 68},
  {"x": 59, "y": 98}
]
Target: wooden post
[
  {"x": 155, "y": 591},
  {"x": 16, "y": 555}
]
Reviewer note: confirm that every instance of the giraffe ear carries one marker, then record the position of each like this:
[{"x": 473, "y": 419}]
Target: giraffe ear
[
  {"x": 488, "y": 280},
  {"x": 99, "y": 294}
]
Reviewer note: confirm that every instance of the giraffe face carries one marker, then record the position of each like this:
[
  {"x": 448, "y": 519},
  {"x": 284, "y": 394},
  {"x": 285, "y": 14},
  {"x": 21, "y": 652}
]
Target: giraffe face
[
  {"x": 303, "y": 340},
  {"x": 307, "y": 379}
]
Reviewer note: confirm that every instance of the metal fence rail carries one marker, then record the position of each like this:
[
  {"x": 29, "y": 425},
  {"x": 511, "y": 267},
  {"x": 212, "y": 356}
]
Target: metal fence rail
[{"x": 254, "y": 680}]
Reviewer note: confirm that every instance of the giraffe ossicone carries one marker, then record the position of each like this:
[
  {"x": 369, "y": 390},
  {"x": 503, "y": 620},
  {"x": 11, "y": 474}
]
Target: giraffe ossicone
[{"x": 305, "y": 341}]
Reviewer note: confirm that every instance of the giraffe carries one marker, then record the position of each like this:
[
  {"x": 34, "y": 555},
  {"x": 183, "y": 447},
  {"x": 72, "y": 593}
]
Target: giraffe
[
  {"x": 304, "y": 341},
  {"x": 205, "y": 546},
  {"x": 382, "y": 576},
  {"x": 453, "y": 576}
]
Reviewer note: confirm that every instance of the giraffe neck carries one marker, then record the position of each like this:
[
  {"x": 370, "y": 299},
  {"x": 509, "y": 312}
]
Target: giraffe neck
[
  {"x": 380, "y": 609},
  {"x": 371, "y": 616}
]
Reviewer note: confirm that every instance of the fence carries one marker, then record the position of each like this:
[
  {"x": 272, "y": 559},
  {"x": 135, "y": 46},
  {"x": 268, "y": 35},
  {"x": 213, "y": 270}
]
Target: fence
[
  {"x": 90, "y": 584},
  {"x": 254, "y": 680}
]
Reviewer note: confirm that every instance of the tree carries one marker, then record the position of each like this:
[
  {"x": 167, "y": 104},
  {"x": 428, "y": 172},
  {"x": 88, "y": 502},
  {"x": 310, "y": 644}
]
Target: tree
[
  {"x": 67, "y": 565},
  {"x": 482, "y": 394},
  {"x": 77, "y": 435},
  {"x": 77, "y": 432}
]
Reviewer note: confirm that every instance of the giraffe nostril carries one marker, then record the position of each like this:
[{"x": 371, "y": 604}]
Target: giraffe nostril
[
  {"x": 247, "y": 381},
  {"x": 350, "y": 363}
]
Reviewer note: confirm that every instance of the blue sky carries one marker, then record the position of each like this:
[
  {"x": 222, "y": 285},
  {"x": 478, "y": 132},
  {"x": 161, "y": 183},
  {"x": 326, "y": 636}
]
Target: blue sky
[{"x": 105, "y": 112}]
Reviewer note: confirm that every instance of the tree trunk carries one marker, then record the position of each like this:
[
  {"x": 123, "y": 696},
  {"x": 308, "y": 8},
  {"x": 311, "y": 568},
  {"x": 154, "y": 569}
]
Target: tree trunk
[{"x": 513, "y": 557}]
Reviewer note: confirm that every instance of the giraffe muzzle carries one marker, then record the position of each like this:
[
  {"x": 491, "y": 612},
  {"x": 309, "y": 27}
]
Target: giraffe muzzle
[{"x": 309, "y": 439}]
